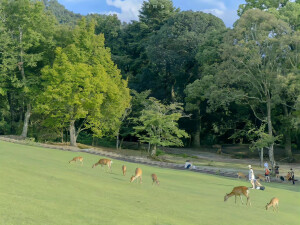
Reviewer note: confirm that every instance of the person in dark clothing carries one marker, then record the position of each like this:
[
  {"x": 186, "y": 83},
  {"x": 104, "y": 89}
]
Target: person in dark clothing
[
  {"x": 277, "y": 171},
  {"x": 292, "y": 176}
]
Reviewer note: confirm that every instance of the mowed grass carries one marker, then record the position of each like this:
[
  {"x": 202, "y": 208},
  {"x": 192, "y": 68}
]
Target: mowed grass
[{"x": 38, "y": 187}]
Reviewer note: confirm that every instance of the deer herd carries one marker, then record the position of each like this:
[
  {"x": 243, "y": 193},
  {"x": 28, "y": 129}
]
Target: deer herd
[{"x": 236, "y": 191}]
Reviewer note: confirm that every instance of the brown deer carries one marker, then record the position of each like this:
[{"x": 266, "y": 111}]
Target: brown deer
[
  {"x": 104, "y": 162},
  {"x": 274, "y": 203},
  {"x": 138, "y": 173},
  {"x": 124, "y": 170},
  {"x": 241, "y": 175},
  {"x": 154, "y": 179},
  {"x": 238, "y": 191},
  {"x": 261, "y": 177},
  {"x": 75, "y": 159}
]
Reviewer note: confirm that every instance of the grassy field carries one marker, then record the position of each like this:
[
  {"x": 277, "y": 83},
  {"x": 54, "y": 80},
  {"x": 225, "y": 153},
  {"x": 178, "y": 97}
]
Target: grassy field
[{"x": 38, "y": 187}]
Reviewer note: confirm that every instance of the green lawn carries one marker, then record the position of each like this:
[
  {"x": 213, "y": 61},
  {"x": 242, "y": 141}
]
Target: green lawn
[{"x": 38, "y": 187}]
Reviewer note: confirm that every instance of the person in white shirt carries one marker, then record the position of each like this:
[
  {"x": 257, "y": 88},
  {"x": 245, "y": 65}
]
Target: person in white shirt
[{"x": 251, "y": 176}]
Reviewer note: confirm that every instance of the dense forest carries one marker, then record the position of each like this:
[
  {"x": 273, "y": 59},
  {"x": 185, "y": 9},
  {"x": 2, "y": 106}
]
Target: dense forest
[{"x": 173, "y": 78}]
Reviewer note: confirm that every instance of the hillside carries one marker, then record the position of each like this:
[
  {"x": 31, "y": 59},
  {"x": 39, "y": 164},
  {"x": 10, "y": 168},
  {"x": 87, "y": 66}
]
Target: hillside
[{"x": 39, "y": 186}]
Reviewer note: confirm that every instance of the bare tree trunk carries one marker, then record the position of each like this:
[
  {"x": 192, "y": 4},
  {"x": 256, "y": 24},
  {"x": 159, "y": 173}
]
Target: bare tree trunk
[
  {"x": 72, "y": 133},
  {"x": 153, "y": 151},
  {"x": 288, "y": 143},
  {"x": 121, "y": 143},
  {"x": 196, "y": 141},
  {"x": 261, "y": 157},
  {"x": 118, "y": 141},
  {"x": 287, "y": 136},
  {"x": 26, "y": 121},
  {"x": 21, "y": 68},
  {"x": 269, "y": 120},
  {"x": 149, "y": 146}
]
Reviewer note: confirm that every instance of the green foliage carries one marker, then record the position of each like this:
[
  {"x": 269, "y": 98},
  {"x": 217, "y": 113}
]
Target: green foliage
[
  {"x": 84, "y": 85},
  {"x": 158, "y": 124},
  {"x": 173, "y": 49},
  {"x": 159, "y": 152},
  {"x": 62, "y": 15},
  {"x": 260, "y": 139}
]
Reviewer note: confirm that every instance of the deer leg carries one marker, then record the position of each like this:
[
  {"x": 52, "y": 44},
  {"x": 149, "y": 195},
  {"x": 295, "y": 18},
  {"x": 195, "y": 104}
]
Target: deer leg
[
  {"x": 248, "y": 200},
  {"x": 140, "y": 179},
  {"x": 241, "y": 199},
  {"x": 235, "y": 199}
]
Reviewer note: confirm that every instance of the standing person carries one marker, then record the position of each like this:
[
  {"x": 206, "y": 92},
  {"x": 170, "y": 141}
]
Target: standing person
[
  {"x": 292, "y": 176},
  {"x": 277, "y": 171},
  {"x": 267, "y": 175},
  {"x": 251, "y": 176}
]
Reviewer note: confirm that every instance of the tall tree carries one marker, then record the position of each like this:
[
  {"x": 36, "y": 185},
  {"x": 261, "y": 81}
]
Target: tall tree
[
  {"x": 173, "y": 49},
  {"x": 31, "y": 29},
  {"x": 84, "y": 88},
  {"x": 253, "y": 55}
]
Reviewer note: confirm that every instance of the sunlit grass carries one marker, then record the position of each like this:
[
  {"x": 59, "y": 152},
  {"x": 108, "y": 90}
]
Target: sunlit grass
[{"x": 39, "y": 186}]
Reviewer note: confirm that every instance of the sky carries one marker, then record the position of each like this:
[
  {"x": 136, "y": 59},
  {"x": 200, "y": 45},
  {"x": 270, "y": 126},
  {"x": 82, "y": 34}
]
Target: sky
[{"x": 128, "y": 10}]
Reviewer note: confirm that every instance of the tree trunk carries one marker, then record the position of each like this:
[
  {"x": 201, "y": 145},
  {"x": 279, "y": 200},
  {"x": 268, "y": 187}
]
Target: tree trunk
[
  {"x": 118, "y": 142},
  {"x": 121, "y": 143},
  {"x": 149, "y": 147},
  {"x": 287, "y": 136},
  {"x": 269, "y": 120},
  {"x": 288, "y": 143},
  {"x": 72, "y": 133},
  {"x": 153, "y": 151},
  {"x": 196, "y": 141},
  {"x": 26, "y": 121},
  {"x": 261, "y": 157}
]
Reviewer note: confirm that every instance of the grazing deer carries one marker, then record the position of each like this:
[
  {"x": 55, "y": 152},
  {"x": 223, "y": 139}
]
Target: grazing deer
[
  {"x": 238, "y": 191},
  {"x": 261, "y": 177},
  {"x": 241, "y": 175},
  {"x": 124, "y": 170},
  {"x": 274, "y": 203},
  {"x": 154, "y": 179},
  {"x": 138, "y": 173},
  {"x": 104, "y": 162},
  {"x": 75, "y": 159}
]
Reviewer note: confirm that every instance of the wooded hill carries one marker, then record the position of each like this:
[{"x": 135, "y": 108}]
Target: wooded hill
[{"x": 173, "y": 78}]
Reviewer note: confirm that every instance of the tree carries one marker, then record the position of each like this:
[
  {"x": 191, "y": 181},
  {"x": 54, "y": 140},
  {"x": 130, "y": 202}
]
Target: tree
[
  {"x": 137, "y": 105},
  {"x": 260, "y": 140},
  {"x": 62, "y": 15},
  {"x": 253, "y": 55},
  {"x": 158, "y": 125},
  {"x": 173, "y": 49},
  {"x": 84, "y": 88},
  {"x": 261, "y": 4},
  {"x": 195, "y": 102},
  {"x": 31, "y": 30}
]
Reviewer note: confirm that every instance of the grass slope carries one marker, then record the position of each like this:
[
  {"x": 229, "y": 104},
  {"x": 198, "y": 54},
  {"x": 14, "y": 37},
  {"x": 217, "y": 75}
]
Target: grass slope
[{"x": 38, "y": 186}]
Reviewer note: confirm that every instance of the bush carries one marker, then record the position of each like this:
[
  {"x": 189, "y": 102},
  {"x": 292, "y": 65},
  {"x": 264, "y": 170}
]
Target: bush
[{"x": 159, "y": 152}]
